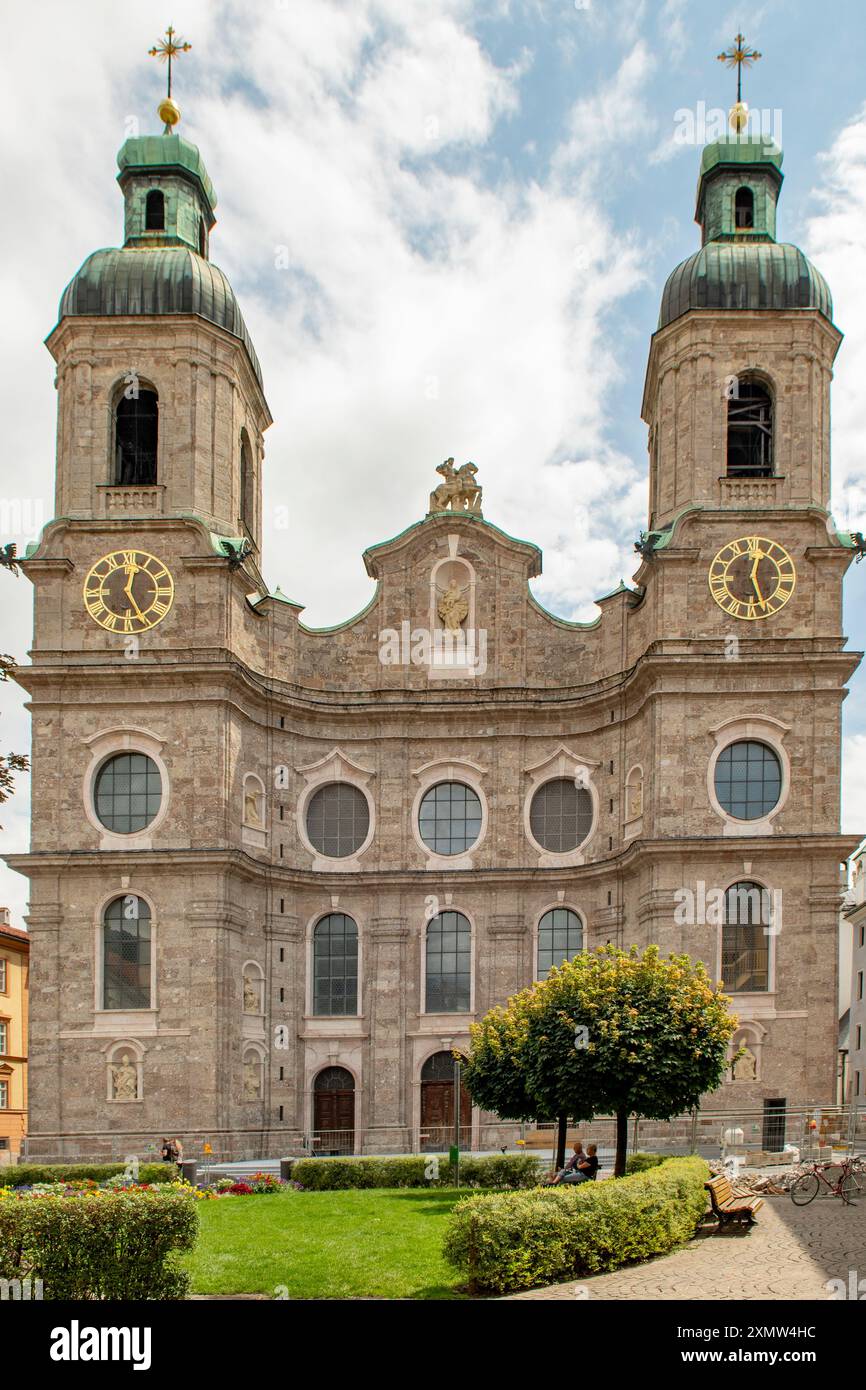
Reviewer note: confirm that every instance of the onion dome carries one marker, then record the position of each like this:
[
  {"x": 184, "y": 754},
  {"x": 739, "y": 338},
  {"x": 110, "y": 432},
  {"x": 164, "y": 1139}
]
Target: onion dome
[
  {"x": 163, "y": 265},
  {"x": 740, "y": 264}
]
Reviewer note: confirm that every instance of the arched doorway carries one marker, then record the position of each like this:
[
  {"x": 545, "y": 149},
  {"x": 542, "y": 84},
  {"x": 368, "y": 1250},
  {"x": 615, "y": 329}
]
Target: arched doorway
[
  {"x": 334, "y": 1111},
  {"x": 437, "y": 1105}
]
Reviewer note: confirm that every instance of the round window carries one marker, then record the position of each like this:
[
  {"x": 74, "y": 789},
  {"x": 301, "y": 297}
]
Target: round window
[
  {"x": 560, "y": 816},
  {"x": 128, "y": 792},
  {"x": 748, "y": 778},
  {"x": 338, "y": 820},
  {"x": 449, "y": 818}
]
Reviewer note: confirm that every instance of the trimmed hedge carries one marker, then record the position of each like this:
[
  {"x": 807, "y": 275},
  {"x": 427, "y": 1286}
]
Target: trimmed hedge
[
  {"x": 423, "y": 1170},
  {"x": 639, "y": 1162},
  {"x": 519, "y": 1240},
  {"x": 101, "y": 1245},
  {"x": 25, "y": 1174}
]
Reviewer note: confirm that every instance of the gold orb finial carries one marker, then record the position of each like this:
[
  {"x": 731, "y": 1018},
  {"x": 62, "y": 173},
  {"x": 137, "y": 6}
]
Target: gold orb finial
[
  {"x": 169, "y": 113},
  {"x": 738, "y": 117}
]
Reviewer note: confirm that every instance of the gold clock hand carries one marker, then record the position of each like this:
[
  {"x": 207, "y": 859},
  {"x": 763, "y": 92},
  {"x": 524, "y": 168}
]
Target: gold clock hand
[{"x": 754, "y": 578}]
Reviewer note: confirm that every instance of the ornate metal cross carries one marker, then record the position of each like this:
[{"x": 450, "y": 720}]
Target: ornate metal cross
[
  {"x": 741, "y": 55},
  {"x": 166, "y": 50}
]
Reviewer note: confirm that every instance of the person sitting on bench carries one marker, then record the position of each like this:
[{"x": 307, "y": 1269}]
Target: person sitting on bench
[
  {"x": 585, "y": 1169},
  {"x": 577, "y": 1157}
]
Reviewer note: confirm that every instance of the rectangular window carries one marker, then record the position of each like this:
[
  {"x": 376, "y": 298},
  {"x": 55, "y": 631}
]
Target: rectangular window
[
  {"x": 4, "y": 1095},
  {"x": 4, "y": 1036},
  {"x": 863, "y": 935},
  {"x": 4, "y": 975},
  {"x": 856, "y": 1083},
  {"x": 859, "y": 984},
  {"x": 859, "y": 1038}
]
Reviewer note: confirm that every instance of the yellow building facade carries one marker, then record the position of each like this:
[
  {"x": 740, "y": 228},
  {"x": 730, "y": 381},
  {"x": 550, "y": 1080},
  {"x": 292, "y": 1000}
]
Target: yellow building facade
[{"x": 14, "y": 991}]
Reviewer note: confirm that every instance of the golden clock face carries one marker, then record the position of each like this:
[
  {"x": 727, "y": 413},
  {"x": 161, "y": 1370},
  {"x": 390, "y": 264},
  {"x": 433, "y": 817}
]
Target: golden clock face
[
  {"x": 752, "y": 577},
  {"x": 128, "y": 591}
]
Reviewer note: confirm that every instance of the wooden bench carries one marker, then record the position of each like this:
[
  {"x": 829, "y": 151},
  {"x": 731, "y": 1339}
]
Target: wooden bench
[{"x": 727, "y": 1206}]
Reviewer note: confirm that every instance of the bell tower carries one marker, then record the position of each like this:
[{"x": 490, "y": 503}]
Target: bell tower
[
  {"x": 737, "y": 393},
  {"x": 161, "y": 410}
]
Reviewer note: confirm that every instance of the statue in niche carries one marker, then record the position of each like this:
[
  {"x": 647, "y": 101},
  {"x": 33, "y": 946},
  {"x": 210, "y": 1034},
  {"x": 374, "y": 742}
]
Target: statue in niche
[
  {"x": 745, "y": 1068},
  {"x": 459, "y": 491},
  {"x": 252, "y": 799},
  {"x": 635, "y": 799},
  {"x": 124, "y": 1079},
  {"x": 252, "y": 1083},
  {"x": 453, "y": 607},
  {"x": 252, "y": 1004}
]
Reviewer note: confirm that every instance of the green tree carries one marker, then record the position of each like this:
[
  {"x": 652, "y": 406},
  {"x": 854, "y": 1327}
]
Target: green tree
[{"x": 607, "y": 1033}]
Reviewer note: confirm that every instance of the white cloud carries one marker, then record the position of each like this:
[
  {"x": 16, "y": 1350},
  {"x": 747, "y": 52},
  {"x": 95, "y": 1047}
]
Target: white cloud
[
  {"x": 835, "y": 241},
  {"x": 434, "y": 303}
]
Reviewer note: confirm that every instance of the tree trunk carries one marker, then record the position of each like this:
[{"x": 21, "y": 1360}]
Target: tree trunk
[
  {"x": 621, "y": 1143},
  {"x": 561, "y": 1131}
]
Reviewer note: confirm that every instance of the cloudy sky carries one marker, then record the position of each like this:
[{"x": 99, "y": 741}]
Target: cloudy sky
[{"x": 448, "y": 223}]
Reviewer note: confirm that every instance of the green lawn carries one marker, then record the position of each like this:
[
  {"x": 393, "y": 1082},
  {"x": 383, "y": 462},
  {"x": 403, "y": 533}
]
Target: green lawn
[{"x": 374, "y": 1244}]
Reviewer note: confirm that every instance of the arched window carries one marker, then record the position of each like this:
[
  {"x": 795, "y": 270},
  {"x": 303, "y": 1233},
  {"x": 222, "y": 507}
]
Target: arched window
[
  {"x": 744, "y": 208},
  {"x": 154, "y": 211},
  {"x": 135, "y": 437},
  {"x": 335, "y": 966},
  {"x": 750, "y": 430},
  {"x": 127, "y": 793},
  {"x": 449, "y": 964},
  {"x": 338, "y": 820},
  {"x": 126, "y": 954},
  {"x": 560, "y": 937},
  {"x": 748, "y": 779},
  {"x": 560, "y": 816},
  {"x": 202, "y": 239},
  {"x": 247, "y": 490},
  {"x": 745, "y": 938}
]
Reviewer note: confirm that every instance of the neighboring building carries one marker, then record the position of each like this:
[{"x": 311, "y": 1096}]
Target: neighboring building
[
  {"x": 277, "y": 871},
  {"x": 14, "y": 997},
  {"x": 856, "y": 914}
]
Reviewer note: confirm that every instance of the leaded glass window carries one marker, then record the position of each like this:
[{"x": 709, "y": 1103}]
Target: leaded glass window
[
  {"x": 746, "y": 939},
  {"x": 335, "y": 966},
  {"x": 338, "y": 820},
  {"x": 126, "y": 954},
  {"x": 128, "y": 792},
  {"x": 560, "y": 937},
  {"x": 449, "y": 818},
  {"x": 449, "y": 964},
  {"x": 748, "y": 778},
  {"x": 560, "y": 816}
]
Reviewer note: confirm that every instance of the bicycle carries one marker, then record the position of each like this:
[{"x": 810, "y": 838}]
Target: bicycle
[{"x": 846, "y": 1186}]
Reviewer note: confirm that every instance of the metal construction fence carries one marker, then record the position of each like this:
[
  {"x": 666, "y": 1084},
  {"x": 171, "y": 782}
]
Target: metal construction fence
[{"x": 775, "y": 1133}]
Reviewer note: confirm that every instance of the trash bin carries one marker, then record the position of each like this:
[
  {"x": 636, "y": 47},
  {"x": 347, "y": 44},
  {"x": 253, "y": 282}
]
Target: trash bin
[
  {"x": 189, "y": 1171},
  {"x": 286, "y": 1166}
]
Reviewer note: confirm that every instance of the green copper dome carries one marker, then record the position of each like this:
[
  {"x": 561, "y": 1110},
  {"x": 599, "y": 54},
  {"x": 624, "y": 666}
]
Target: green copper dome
[
  {"x": 164, "y": 280},
  {"x": 727, "y": 275},
  {"x": 147, "y": 153},
  {"x": 740, "y": 264},
  {"x": 163, "y": 265}
]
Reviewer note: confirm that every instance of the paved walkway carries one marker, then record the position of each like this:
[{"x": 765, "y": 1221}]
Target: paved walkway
[{"x": 791, "y": 1253}]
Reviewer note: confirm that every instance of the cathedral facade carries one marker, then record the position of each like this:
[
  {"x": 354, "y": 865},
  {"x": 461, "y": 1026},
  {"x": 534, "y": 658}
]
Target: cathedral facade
[{"x": 276, "y": 872}]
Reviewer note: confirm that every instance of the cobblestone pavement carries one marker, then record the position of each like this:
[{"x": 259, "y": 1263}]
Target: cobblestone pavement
[{"x": 791, "y": 1253}]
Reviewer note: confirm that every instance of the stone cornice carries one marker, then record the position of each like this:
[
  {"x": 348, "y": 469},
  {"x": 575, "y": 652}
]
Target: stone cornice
[{"x": 236, "y": 861}]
